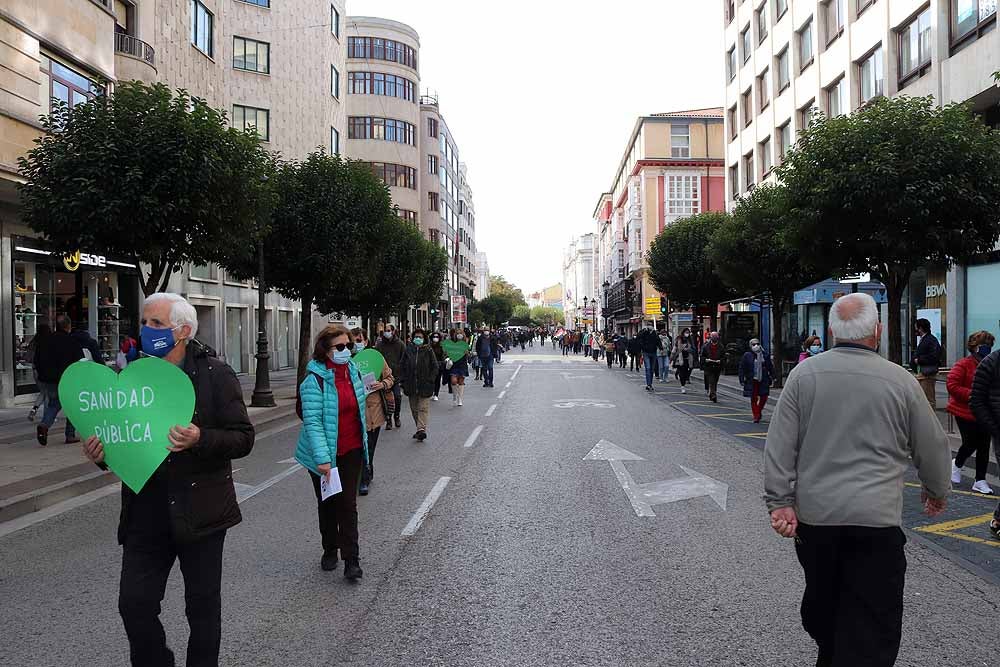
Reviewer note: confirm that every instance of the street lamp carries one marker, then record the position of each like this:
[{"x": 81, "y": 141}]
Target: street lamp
[
  {"x": 262, "y": 396},
  {"x": 585, "y": 300}
]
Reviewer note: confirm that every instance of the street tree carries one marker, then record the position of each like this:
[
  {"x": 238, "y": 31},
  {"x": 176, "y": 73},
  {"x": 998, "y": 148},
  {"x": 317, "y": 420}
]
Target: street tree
[
  {"x": 521, "y": 316},
  {"x": 752, "y": 256},
  {"x": 897, "y": 184},
  {"x": 547, "y": 315},
  {"x": 496, "y": 309},
  {"x": 680, "y": 266},
  {"x": 476, "y": 315},
  {"x": 499, "y": 285},
  {"x": 145, "y": 173}
]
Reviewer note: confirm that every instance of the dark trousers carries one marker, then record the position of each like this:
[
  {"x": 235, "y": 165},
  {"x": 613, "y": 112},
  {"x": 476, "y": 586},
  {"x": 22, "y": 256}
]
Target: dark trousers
[
  {"x": 369, "y": 471},
  {"x": 853, "y": 603},
  {"x": 684, "y": 374},
  {"x": 397, "y": 394},
  {"x": 622, "y": 359},
  {"x": 633, "y": 362},
  {"x": 145, "y": 569},
  {"x": 338, "y": 515},
  {"x": 610, "y": 357},
  {"x": 712, "y": 373},
  {"x": 975, "y": 440},
  {"x": 487, "y": 364}
]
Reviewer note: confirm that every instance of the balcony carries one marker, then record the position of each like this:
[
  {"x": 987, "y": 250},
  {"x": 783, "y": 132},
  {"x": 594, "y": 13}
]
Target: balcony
[{"x": 134, "y": 59}]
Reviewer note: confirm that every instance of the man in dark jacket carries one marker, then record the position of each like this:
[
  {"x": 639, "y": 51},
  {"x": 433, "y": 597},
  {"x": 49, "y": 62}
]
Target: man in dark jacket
[
  {"x": 713, "y": 357},
  {"x": 485, "y": 345},
  {"x": 927, "y": 359},
  {"x": 634, "y": 353},
  {"x": 183, "y": 511},
  {"x": 392, "y": 349},
  {"x": 985, "y": 405},
  {"x": 87, "y": 342},
  {"x": 649, "y": 344},
  {"x": 52, "y": 358},
  {"x": 418, "y": 375}
]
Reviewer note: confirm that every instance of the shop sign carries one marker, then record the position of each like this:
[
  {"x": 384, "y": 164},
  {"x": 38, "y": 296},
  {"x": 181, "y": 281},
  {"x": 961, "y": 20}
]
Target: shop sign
[
  {"x": 934, "y": 291},
  {"x": 75, "y": 260}
]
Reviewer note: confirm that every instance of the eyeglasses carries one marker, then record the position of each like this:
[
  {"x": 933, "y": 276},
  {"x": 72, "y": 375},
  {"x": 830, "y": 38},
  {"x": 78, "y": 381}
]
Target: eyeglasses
[{"x": 340, "y": 346}]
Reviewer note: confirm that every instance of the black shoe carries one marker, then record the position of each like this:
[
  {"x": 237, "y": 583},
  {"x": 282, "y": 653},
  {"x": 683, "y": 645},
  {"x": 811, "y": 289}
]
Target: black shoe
[
  {"x": 371, "y": 473},
  {"x": 995, "y": 528},
  {"x": 388, "y": 424},
  {"x": 421, "y": 435},
  {"x": 398, "y": 423},
  {"x": 42, "y": 433},
  {"x": 352, "y": 570},
  {"x": 328, "y": 562},
  {"x": 363, "y": 489},
  {"x": 416, "y": 435}
]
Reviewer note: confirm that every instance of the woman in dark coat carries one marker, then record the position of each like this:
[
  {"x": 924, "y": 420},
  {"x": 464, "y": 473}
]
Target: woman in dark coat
[
  {"x": 439, "y": 354},
  {"x": 419, "y": 375},
  {"x": 756, "y": 372}
]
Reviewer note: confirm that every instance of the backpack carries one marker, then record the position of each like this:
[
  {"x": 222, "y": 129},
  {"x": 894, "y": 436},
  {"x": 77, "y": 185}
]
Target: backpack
[{"x": 298, "y": 395}]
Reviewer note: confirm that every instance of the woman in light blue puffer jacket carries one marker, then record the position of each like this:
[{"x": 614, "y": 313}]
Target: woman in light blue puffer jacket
[{"x": 333, "y": 434}]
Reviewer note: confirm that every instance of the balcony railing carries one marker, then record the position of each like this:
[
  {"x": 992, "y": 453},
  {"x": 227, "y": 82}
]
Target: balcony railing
[{"x": 135, "y": 47}]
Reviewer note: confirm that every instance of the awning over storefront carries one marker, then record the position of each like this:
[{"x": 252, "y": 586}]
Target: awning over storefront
[{"x": 827, "y": 291}]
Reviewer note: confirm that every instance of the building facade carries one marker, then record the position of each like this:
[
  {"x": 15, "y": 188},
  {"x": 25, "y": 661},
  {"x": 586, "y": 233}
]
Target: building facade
[
  {"x": 672, "y": 167},
  {"x": 785, "y": 59},
  {"x": 580, "y": 281},
  {"x": 482, "y": 289}
]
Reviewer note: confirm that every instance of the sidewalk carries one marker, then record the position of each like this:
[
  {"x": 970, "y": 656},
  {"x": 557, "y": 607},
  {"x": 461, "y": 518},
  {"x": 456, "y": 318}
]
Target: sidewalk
[{"x": 34, "y": 477}]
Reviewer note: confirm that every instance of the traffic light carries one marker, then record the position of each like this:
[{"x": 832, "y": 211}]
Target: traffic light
[{"x": 663, "y": 305}]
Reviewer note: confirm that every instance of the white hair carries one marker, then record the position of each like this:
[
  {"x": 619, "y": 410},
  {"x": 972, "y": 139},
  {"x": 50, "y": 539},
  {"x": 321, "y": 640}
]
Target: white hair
[
  {"x": 181, "y": 312},
  {"x": 854, "y": 317}
]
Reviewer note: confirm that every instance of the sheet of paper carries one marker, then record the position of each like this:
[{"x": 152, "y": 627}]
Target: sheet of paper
[
  {"x": 329, "y": 484},
  {"x": 368, "y": 379}
]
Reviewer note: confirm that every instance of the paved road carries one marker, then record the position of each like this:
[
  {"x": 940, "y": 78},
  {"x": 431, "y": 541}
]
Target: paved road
[{"x": 531, "y": 555}]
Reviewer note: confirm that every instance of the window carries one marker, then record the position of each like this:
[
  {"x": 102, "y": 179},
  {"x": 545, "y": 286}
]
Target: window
[
  {"x": 334, "y": 82},
  {"x": 761, "y": 16},
  {"x": 683, "y": 198},
  {"x": 201, "y": 27},
  {"x": 806, "y": 45},
  {"x": 971, "y": 16},
  {"x": 432, "y": 165},
  {"x": 377, "y": 83},
  {"x": 63, "y": 84},
  {"x": 377, "y": 48},
  {"x": 745, "y": 41},
  {"x": 384, "y": 129},
  {"x": 407, "y": 216},
  {"x": 915, "y": 47},
  {"x": 205, "y": 272},
  {"x": 766, "y": 163},
  {"x": 680, "y": 141},
  {"x": 395, "y": 175},
  {"x": 334, "y": 21},
  {"x": 835, "y": 100},
  {"x": 748, "y": 171},
  {"x": 784, "y": 140},
  {"x": 731, "y": 119},
  {"x": 730, "y": 11},
  {"x": 251, "y": 55},
  {"x": 432, "y": 127},
  {"x": 747, "y": 107},
  {"x": 246, "y": 118},
  {"x": 434, "y": 201},
  {"x": 834, "y": 13},
  {"x": 259, "y": 3},
  {"x": 782, "y": 66},
  {"x": 872, "y": 77},
  {"x": 334, "y": 141},
  {"x": 863, "y": 5},
  {"x": 731, "y": 62},
  {"x": 805, "y": 114},
  {"x": 764, "y": 88},
  {"x": 780, "y": 7},
  {"x": 734, "y": 180}
]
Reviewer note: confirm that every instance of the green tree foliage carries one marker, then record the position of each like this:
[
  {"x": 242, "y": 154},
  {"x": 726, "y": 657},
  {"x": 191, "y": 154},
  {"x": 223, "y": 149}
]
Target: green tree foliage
[
  {"x": 547, "y": 315},
  {"x": 679, "y": 264},
  {"x": 752, "y": 256},
  {"x": 496, "y": 309},
  {"x": 500, "y": 286},
  {"x": 897, "y": 184},
  {"x": 148, "y": 174},
  {"x": 521, "y": 316},
  {"x": 476, "y": 315}
]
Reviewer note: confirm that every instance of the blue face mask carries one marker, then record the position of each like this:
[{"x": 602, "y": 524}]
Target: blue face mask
[
  {"x": 984, "y": 350},
  {"x": 815, "y": 349},
  {"x": 418, "y": 341},
  {"x": 358, "y": 346},
  {"x": 157, "y": 342},
  {"x": 341, "y": 357}
]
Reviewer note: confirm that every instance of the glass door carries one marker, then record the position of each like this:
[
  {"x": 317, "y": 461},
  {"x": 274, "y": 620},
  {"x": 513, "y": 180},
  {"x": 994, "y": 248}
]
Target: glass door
[
  {"x": 235, "y": 351},
  {"x": 282, "y": 350}
]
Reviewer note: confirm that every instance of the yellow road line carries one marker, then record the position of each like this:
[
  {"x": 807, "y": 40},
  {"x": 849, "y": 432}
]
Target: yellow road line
[
  {"x": 956, "y": 524},
  {"x": 961, "y": 493},
  {"x": 759, "y": 436}
]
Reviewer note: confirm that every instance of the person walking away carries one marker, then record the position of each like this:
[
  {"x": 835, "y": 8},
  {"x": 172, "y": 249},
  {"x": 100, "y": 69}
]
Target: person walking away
[
  {"x": 985, "y": 404},
  {"x": 682, "y": 358},
  {"x": 713, "y": 357},
  {"x": 443, "y": 373},
  {"x": 610, "y": 347},
  {"x": 755, "y": 373},
  {"x": 459, "y": 367},
  {"x": 663, "y": 356},
  {"x": 839, "y": 447},
  {"x": 810, "y": 348},
  {"x": 484, "y": 352},
  {"x": 333, "y": 438},
  {"x": 497, "y": 343},
  {"x": 91, "y": 348},
  {"x": 37, "y": 341},
  {"x": 586, "y": 344},
  {"x": 596, "y": 346},
  {"x": 391, "y": 348},
  {"x": 189, "y": 503},
  {"x": 927, "y": 360},
  {"x": 419, "y": 373},
  {"x": 621, "y": 348},
  {"x": 634, "y": 352},
  {"x": 650, "y": 346},
  {"x": 54, "y": 355},
  {"x": 378, "y": 403},
  {"x": 975, "y": 438}
]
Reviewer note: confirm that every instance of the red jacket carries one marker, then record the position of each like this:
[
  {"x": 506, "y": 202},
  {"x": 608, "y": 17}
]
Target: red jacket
[{"x": 960, "y": 387}]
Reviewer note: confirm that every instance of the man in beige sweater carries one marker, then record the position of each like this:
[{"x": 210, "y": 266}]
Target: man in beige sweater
[{"x": 843, "y": 434}]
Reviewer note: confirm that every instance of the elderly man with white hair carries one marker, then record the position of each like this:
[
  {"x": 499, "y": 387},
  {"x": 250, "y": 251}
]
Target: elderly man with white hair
[
  {"x": 183, "y": 511},
  {"x": 847, "y": 425}
]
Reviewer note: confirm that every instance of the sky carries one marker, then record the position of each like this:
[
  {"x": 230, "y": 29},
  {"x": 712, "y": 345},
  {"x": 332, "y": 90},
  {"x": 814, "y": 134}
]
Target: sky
[{"x": 542, "y": 97}]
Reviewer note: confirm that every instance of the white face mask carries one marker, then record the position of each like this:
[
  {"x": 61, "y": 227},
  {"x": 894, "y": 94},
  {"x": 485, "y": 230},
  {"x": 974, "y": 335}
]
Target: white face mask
[{"x": 387, "y": 334}]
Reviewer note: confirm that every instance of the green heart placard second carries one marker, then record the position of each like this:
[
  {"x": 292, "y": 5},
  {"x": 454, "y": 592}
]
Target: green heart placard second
[
  {"x": 369, "y": 360},
  {"x": 131, "y": 412}
]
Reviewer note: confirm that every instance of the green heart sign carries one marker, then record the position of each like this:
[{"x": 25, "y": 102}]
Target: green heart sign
[
  {"x": 131, "y": 412},
  {"x": 369, "y": 360},
  {"x": 455, "y": 349}
]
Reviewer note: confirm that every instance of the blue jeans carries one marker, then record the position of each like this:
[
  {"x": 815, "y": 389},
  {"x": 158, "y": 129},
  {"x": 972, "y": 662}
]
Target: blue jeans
[
  {"x": 662, "y": 360},
  {"x": 487, "y": 364},
  {"x": 648, "y": 360},
  {"x": 52, "y": 408}
]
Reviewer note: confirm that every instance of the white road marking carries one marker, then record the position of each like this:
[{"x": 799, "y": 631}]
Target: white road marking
[
  {"x": 489, "y": 413},
  {"x": 277, "y": 429},
  {"x": 500, "y": 397},
  {"x": 244, "y": 494},
  {"x": 31, "y": 519},
  {"x": 290, "y": 459},
  {"x": 514, "y": 376},
  {"x": 425, "y": 507},
  {"x": 507, "y": 386},
  {"x": 472, "y": 437}
]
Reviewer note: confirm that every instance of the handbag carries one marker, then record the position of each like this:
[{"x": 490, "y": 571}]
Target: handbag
[{"x": 448, "y": 363}]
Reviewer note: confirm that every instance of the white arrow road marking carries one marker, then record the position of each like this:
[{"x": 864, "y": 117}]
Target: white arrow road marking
[{"x": 644, "y": 496}]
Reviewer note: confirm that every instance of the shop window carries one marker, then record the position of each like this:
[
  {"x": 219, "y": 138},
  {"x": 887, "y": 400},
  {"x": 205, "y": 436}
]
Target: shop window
[{"x": 235, "y": 348}]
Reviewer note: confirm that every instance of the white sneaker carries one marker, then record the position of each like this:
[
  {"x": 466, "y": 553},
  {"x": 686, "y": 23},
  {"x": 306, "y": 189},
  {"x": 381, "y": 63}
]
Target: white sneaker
[
  {"x": 982, "y": 487},
  {"x": 459, "y": 402},
  {"x": 434, "y": 398},
  {"x": 684, "y": 390},
  {"x": 956, "y": 473}
]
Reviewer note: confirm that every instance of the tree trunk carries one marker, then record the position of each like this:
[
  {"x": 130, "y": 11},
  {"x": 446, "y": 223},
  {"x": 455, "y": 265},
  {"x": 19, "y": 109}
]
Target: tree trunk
[
  {"x": 777, "y": 339},
  {"x": 152, "y": 281},
  {"x": 305, "y": 336},
  {"x": 167, "y": 272},
  {"x": 366, "y": 319},
  {"x": 895, "y": 285}
]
